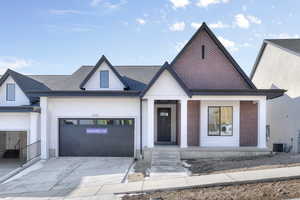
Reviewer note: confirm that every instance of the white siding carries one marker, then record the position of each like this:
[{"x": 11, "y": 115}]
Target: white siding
[
  {"x": 165, "y": 86},
  {"x": 14, "y": 121},
  {"x": 280, "y": 69},
  {"x": 89, "y": 107},
  {"x": 219, "y": 141},
  {"x": 94, "y": 82},
  {"x": 21, "y": 98}
]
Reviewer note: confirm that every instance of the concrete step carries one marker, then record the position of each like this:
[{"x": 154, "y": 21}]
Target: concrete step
[{"x": 166, "y": 164}]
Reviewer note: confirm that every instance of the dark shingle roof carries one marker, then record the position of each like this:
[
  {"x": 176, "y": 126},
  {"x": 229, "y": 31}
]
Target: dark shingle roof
[
  {"x": 290, "y": 44},
  {"x": 136, "y": 77}
]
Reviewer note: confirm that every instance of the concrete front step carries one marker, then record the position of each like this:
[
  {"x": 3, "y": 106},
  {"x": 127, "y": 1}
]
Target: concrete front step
[{"x": 166, "y": 164}]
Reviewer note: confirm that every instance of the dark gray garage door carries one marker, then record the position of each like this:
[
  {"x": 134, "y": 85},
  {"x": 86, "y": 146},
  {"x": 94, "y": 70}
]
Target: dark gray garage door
[{"x": 96, "y": 137}]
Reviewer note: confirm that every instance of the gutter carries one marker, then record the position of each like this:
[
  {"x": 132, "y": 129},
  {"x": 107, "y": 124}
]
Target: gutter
[{"x": 141, "y": 128}]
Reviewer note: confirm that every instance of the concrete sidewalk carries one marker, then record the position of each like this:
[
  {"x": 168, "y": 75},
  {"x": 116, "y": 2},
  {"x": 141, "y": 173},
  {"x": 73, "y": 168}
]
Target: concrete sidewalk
[
  {"x": 102, "y": 191},
  {"x": 204, "y": 181}
]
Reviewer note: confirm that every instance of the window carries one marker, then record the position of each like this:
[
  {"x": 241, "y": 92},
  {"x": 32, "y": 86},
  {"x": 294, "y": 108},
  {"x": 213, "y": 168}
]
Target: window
[
  {"x": 10, "y": 92},
  {"x": 87, "y": 122},
  {"x": 70, "y": 122},
  {"x": 220, "y": 120},
  {"x": 203, "y": 51},
  {"x": 104, "y": 79}
]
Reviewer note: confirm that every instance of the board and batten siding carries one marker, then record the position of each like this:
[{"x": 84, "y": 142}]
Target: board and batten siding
[
  {"x": 193, "y": 123},
  {"x": 248, "y": 123}
]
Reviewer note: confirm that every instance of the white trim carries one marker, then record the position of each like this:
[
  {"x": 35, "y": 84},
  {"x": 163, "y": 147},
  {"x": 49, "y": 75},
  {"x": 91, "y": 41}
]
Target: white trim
[
  {"x": 228, "y": 98},
  {"x": 183, "y": 123}
]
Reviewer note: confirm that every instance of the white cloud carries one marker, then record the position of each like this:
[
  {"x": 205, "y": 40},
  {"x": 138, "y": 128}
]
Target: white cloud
[
  {"x": 108, "y": 4},
  {"x": 242, "y": 21},
  {"x": 67, "y": 12},
  {"x": 219, "y": 24},
  {"x": 178, "y": 26},
  {"x": 180, "y": 3},
  {"x": 140, "y": 21},
  {"x": 228, "y": 44},
  {"x": 253, "y": 19},
  {"x": 196, "y": 25},
  {"x": 205, "y": 3},
  {"x": 13, "y": 63},
  {"x": 244, "y": 8}
]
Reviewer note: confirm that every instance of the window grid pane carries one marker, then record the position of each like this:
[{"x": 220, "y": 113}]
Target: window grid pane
[
  {"x": 10, "y": 92},
  {"x": 226, "y": 121},
  {"x": 213, "y": 121}
]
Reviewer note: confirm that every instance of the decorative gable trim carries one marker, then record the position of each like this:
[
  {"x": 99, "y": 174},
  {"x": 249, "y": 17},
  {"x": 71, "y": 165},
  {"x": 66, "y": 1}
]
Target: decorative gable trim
[
  {"x": 167, "y": 67},
  {"x": 221, "y": 47},
  {"x": 102, "y": 59}
]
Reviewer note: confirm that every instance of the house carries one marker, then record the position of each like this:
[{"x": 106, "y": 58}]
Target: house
[
  {"x": 201, "y": 99},
  {"x": 278, "y": 66}
]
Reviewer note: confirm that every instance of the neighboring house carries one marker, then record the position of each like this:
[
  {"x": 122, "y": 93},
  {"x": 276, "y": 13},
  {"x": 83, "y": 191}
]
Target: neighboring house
[
  {"x": 278, "y": 66},
  {"x": 201, "y": 99}
]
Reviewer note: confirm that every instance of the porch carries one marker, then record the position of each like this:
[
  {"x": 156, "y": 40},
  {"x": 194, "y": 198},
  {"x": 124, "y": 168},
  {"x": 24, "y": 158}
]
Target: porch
[{"x": 203, "y": 124}]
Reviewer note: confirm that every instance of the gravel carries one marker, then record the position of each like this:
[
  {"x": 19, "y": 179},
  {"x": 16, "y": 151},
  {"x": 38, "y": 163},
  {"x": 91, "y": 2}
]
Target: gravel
[{"x": 213, "y": 166}]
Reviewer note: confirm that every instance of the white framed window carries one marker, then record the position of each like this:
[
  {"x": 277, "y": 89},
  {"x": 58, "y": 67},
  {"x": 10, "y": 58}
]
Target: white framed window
[
  {"x": 10, "y": 92},
  {"x": 104, "y": 79},
  {"x": 220, "y": 120}
]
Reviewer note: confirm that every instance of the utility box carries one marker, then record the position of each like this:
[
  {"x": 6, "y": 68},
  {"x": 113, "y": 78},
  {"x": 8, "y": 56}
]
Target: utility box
[{"x": 278, "y": 147}]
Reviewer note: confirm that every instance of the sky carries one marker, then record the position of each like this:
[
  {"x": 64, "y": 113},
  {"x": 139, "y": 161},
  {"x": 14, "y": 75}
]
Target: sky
[{"x": 58, "y": 36}]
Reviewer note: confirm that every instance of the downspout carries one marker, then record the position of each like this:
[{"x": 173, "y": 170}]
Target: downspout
[{"x": 141, "y": 128}]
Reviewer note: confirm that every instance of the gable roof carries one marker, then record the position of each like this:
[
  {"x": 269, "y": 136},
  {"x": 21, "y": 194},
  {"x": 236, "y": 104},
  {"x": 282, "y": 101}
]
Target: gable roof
[
  {"x": 102, "y": 59},
  {"x": 24, "y": 82},
  {"x": 167, "y": 67},
  {"x": 204, "y": 27},
  {"x": 288, "y": 45}
]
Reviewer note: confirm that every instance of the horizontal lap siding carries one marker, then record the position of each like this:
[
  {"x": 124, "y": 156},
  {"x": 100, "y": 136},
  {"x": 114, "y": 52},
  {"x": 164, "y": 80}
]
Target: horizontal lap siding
[
  {"x": 193, "y": 123},
  {"x": 248, "y": 123}
]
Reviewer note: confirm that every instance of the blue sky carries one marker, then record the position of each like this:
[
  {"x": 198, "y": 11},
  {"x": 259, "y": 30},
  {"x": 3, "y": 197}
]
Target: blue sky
[{"x": 58, "y": 36}]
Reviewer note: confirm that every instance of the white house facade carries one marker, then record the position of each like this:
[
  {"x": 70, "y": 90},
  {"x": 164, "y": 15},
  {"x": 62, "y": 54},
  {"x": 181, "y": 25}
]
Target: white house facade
[
  {"x": 202, "y": 99},
  {"x": 277, "y": 66}
]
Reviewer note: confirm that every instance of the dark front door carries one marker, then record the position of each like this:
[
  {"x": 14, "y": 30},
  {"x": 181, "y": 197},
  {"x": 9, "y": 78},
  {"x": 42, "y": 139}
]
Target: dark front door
[{"x": 164, "y": 124}]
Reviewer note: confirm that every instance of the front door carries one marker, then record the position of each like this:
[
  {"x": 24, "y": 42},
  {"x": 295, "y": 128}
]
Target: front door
[{"x": 164, "y": 124}]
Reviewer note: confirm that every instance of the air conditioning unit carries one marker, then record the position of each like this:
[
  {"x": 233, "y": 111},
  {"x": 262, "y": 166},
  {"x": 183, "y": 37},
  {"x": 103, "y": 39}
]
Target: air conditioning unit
[{"x": 278, "y": 147}]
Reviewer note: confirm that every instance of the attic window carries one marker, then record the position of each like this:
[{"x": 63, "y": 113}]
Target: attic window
[
  {"x": 104, "y": 79},
  {"x": 203, "y": 51},
  {"x": 10, "y": 92}
]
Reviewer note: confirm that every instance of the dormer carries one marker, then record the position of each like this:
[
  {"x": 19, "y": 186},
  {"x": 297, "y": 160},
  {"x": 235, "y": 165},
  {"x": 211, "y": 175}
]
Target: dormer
[
  {"x": 11, "y": 94},
  {"x": 103, "y": 77}
]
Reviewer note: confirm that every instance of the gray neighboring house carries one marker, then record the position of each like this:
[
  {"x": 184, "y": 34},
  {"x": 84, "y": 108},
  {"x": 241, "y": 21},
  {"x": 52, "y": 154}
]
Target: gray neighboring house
[{"x": 278, "y": 66}]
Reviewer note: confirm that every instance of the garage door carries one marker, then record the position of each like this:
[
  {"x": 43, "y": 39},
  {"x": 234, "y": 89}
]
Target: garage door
[{"x": 96, "y": 137}]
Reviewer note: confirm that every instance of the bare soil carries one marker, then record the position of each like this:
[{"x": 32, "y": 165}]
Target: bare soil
[
  {"x": 260, "y": 191},
  {"x": 139, "y": 171},
  {"x": 213, "y": 166}
]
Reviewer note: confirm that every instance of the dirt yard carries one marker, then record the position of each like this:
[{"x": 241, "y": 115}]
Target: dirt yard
[
  {"x": 261, "y": 191},
  {"x": 212, "y": 166}
]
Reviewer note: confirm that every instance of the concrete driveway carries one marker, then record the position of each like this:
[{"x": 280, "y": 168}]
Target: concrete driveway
[
  {"x": 8, "y": 165},
  {"x": 66, "y": 177}
]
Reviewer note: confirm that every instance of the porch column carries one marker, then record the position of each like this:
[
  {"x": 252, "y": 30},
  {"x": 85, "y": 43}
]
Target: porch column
[
  {"x": 183, "y": 125},
  {"x": 150, "y": 126},
  {"x": 44, "y": 128},
  {"x": 262, "y": 122},
  {"x": 33, "y": 137}
]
